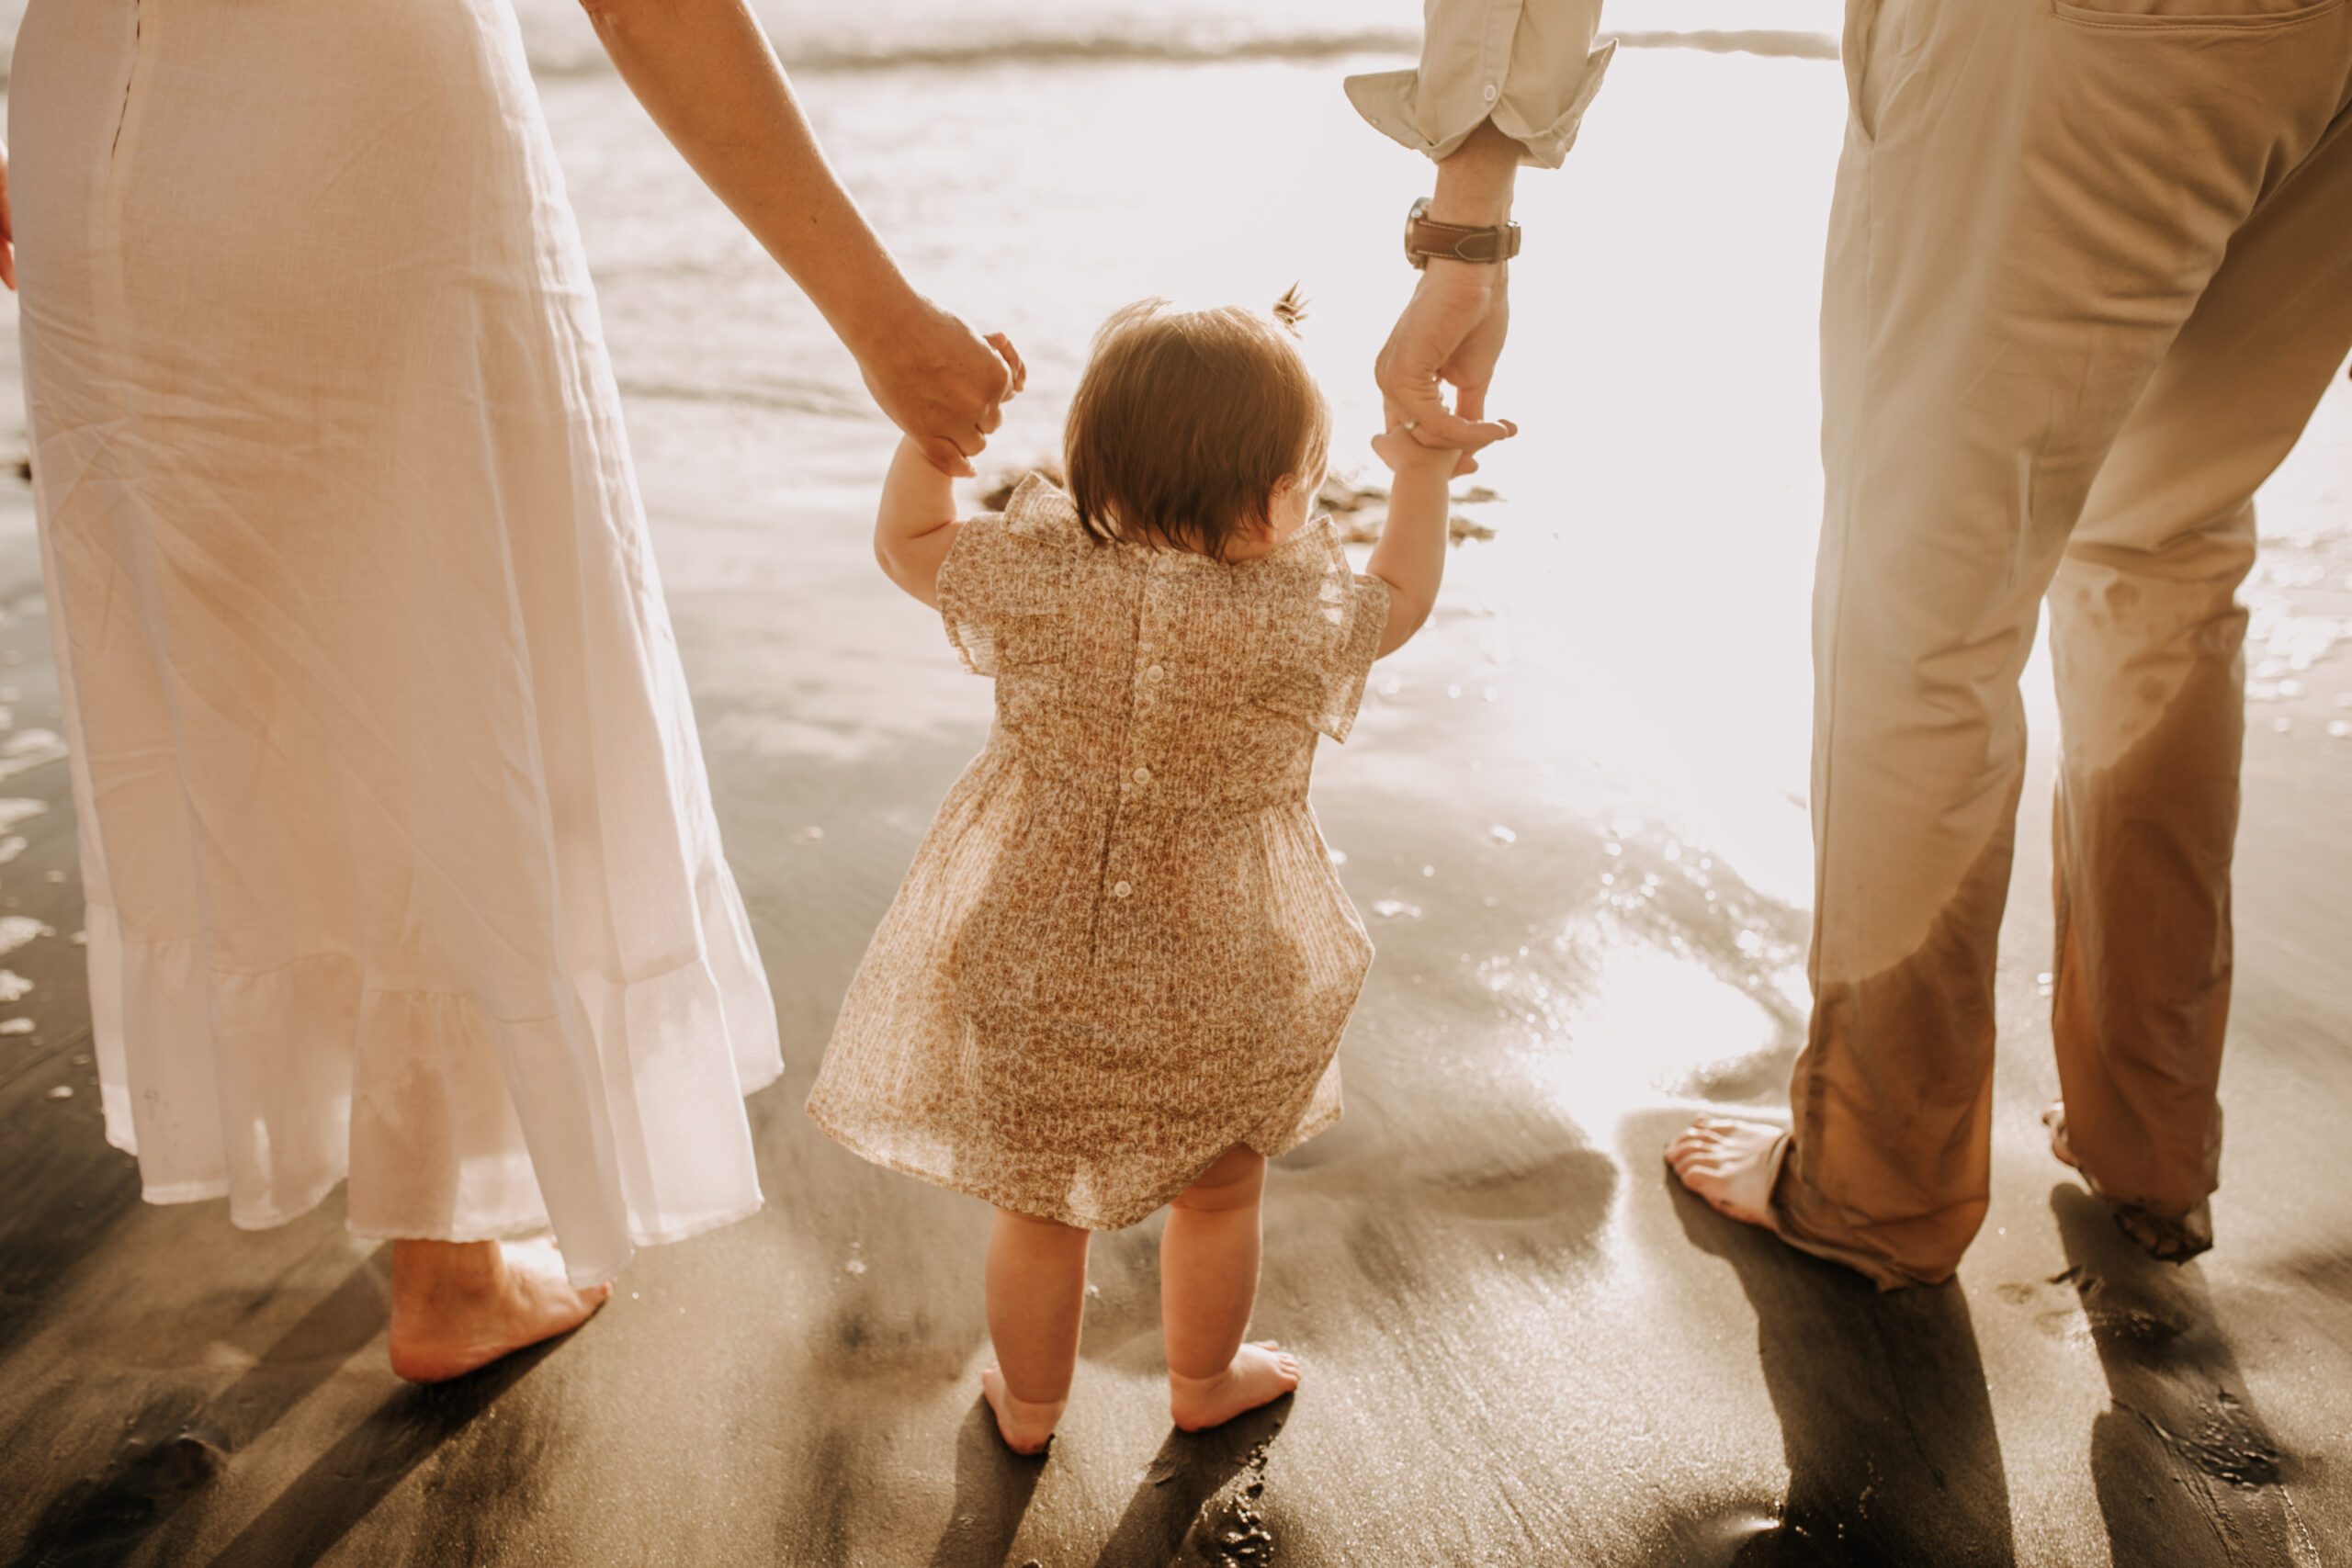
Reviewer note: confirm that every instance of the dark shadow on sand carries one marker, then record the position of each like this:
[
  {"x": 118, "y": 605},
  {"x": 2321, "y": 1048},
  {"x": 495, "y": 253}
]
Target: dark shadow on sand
[
  {"x": 2187, "y": 1473},
  {"x": 178, "y": 1444},
  {"x": 993, "y": 1486},
  {"x": 342, "y": 1484},
  {"x": 66, "y": 1186},
  {"x": 1199, "y": 1489},
  {"x": 1893, "y": 1457}
]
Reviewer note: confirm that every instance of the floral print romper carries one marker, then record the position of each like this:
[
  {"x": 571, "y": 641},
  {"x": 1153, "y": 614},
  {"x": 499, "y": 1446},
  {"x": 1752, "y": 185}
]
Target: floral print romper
[{"x": 1122, "y": 948}]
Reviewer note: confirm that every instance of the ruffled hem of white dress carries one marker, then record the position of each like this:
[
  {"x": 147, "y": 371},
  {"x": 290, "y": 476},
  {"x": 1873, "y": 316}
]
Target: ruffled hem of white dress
[{"x": 417, "y": 1092}]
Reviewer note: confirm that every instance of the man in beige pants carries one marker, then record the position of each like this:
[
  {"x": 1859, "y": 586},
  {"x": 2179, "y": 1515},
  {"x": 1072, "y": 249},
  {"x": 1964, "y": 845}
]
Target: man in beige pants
[{"x": 2089, "y": 270}]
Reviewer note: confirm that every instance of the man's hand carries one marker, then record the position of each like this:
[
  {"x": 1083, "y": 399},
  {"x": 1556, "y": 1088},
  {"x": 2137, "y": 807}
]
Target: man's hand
[
  {"x": 1452, "y": 331},
  {"x": 1450, "y": 335},
  {"x": 942, "y": 383}
]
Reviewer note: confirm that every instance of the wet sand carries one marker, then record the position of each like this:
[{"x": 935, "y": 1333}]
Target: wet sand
[{"x": 1567, "y": 815}]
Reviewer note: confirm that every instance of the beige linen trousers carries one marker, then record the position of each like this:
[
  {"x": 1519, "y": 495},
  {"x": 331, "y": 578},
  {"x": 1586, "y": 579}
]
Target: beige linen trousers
[{"x": 2089, "y": 271}]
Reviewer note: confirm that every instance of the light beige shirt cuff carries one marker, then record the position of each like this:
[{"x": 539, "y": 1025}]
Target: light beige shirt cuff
[{"x": 1435, "y": 118}]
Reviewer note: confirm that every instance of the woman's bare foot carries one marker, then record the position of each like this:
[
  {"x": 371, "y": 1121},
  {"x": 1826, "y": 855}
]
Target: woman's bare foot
[
  {"x": 1258, "y": 1374},
  {"x": 2167, "y": 1238},
  {"x": 458, "y": 1305},
  {"x": 1025, "y": 1426},
  {"x": 1730, "y": 1164}
]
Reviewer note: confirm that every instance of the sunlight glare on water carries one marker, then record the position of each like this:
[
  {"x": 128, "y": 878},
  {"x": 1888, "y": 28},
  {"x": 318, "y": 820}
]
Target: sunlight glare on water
[{"x": 1654, "y": 1024}]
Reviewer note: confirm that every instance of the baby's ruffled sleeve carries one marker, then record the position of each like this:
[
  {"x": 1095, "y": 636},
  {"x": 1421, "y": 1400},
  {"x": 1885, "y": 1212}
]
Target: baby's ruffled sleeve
[
  {"x": 1321, "y": 681},
  {"x": 1352, "y": 656},
  {"x": 971, "y": 588}
]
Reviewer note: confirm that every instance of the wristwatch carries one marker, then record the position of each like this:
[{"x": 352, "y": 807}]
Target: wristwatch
[{"x": 1424, "y": 239}]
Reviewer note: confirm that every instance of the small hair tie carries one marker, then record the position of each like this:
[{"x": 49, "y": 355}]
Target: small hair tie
[{"x": 1291, "y": 309}]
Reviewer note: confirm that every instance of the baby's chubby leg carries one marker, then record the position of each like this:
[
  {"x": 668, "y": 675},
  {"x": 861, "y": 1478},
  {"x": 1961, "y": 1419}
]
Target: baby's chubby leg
[
  {"x": 1036, "y": 1291},
  {"x": 1208, "y": 1282}
]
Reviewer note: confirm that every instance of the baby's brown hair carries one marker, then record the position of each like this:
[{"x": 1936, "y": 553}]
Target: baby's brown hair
[{"x": 1186, "y": 419}]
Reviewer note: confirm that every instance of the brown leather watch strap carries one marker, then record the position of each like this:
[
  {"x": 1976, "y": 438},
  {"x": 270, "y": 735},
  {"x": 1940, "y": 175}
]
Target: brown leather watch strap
[{"x": 1425, "y": 238}]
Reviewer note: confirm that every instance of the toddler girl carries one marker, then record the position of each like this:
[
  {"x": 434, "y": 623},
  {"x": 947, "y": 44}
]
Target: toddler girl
[{"x": 1116, "y": 975}]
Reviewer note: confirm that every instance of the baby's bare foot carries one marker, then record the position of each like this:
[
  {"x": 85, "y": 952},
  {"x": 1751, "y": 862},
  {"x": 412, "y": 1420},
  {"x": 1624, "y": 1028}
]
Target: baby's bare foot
[
  {"x": 1026, "y": 1425},
  {"x": 1259, "y": 1374},
  {"x": 460, "y": 1305},
  {"x": 1730, "y": 1164}
]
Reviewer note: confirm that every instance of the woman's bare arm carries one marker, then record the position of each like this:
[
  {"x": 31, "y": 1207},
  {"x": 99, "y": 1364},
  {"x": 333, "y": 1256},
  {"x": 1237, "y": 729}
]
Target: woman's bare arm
[{"x": 705, "y": 71}]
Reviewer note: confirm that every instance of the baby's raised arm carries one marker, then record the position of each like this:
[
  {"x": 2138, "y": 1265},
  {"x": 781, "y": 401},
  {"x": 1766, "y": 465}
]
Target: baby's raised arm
[
  {"x": 1410, "y": 556},
  {"x": 916, "y": 525}
]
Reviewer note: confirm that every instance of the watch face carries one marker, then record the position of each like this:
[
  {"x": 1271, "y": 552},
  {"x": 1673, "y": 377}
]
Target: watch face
[{"x": 1420, "y": 210}]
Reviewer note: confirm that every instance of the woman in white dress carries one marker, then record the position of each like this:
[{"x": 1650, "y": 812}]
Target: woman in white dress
[{"x": 396, "y": 839}]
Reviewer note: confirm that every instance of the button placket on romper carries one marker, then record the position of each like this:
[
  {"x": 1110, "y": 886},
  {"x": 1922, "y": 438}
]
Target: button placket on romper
[{"x": 1143, "y": 725}]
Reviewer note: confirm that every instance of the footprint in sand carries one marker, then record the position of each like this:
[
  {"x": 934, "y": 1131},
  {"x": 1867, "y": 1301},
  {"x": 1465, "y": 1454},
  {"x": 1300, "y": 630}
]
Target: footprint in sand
[{"x": 2073, "y": 1304}]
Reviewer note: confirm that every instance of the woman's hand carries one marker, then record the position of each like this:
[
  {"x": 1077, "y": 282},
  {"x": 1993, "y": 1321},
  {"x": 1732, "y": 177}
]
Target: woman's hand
[
  {"x": 706, "y": 74},
  {"x": 7, "y": 227},
  {"x": 940, "y": 382}
]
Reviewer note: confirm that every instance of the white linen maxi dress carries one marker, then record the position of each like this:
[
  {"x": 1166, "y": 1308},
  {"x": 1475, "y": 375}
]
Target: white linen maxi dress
[{"x": 396, "y": 838}]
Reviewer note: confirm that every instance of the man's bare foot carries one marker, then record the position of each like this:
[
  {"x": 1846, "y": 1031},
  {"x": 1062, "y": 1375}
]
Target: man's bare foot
[
  {"x": 1730, "y": 1164},
  {"x": 2164, "y": 1237},
  {"x": 1258, "y": 1374},
  {"x": 458, "y": 1305},
  {"x": 2054, "y": 1119},
  {"x": 1026, "y": 1425}
]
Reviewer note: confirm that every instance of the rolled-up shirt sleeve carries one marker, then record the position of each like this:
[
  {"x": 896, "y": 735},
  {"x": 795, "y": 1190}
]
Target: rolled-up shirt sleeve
[{"x": 1528, "y": 65}]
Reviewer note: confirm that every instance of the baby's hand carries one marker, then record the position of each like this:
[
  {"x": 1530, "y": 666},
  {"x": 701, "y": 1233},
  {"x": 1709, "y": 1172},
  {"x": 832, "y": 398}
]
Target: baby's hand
[{"x": 1404, "y": 454}]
